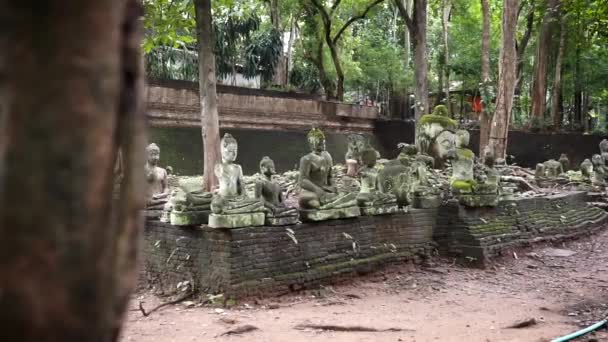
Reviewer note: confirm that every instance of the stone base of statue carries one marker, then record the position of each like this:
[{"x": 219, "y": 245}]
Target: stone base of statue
[
  {"x": 426, "y": 202},
  {"x": 379, "y": 210},
  {"x": 236, "y": 220},
  {"x": 315, "y": 215},
  {"x": 281, "y": 221},
  {"x": 153, "y": 213},
  {"x": 188, "y": 218},
  {"x": 478, "y": 200}
]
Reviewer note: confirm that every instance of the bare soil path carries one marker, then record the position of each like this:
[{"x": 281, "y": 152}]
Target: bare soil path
[{"x": 436, "y": 302}]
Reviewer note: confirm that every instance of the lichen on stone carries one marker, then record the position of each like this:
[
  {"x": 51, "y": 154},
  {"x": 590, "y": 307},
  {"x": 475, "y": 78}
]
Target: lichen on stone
[
  {"x": 441, "y": 110},
  {"x": 439, "y": 119},
  {"x": 464, "y": 185},
  {"x": 316, "y": 133}
]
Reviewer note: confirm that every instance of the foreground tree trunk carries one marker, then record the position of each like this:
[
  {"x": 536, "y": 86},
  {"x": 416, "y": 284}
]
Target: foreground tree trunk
[
  {"x": 207, "y": 91},
  {"x": 416, "y": 25},
  {"x": 556, "y": 97},
  {"x": 71, "y": 95},
  {"x": 484, "y": 116},
  {"x": 507, "y": 78},
  {"x": 543, "y": 47}
]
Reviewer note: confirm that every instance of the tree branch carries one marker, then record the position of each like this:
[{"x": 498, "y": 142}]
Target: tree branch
[
  {"x": 334, "y": 6},
  {"x": 409, "y": 22},
  {"x": 355, "y": 18}
]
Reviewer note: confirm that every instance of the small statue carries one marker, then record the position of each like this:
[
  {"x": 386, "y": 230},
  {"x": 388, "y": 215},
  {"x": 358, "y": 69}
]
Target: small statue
[
  {"x": 230, "y": 206},
  {"x": 599, "y": 170},
  {"x": 539, "y": 172},
  {"x": 435, "y": 135},
  {"x": 463, "y": 158},
  {"x": 157, "y": 190},
  {"x": 604, "y": 150},
  {"x": 370, "y": 199},
  {"x": 553, "y": 168},
  {"x": 189, "y": 207},
  {"x": 563, "y": 159},
  {"x": 587, "y": 169},
  {"x": 318, "y": 192},
  {"x": 271, "y": 194}
]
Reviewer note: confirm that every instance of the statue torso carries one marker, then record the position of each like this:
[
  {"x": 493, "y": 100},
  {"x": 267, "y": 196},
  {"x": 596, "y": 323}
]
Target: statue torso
[
  {"x": 320, "y": 167},
  {"x": 155, "y": 176},
  {"x": 229, "y": 176}
]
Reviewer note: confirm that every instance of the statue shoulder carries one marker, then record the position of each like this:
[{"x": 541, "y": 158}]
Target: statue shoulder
[{"x": 328, "y": 157}]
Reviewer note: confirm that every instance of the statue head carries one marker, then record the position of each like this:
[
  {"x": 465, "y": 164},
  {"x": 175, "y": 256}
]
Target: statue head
[
  {"x": 604, "y": 146},
  {"x": 597, "y": 160},
  {"x": 316, "y": 140},
  {"x": 229, "y": 148},
  {"x": 267, "y": 166},
  {"x": 153, "y": 154},
  {"x": 462, "y": 138},
  {"x": 489, "y": 158},
  {"x": 369, "y": 157}
]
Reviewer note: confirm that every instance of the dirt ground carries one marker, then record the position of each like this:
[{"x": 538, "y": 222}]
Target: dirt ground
[{"x": 439, "y": 301}]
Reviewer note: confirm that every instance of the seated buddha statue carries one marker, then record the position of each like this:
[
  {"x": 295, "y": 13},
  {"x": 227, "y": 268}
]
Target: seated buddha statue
[
  {"x": 370, "y": 199},
  {"x": 158, "y": 192},
  {"x": 271, "y": 194}
]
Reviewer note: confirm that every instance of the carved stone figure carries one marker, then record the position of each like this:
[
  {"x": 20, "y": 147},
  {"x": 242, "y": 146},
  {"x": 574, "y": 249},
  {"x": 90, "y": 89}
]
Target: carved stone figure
[
  {"x": 587, "y": 169},
  {"x": 189, "y": 207},
  {"x": 271, "y": 194},
  {"x": 604, "y": 150},
  {"x": 553, "y": 168},
  {"x": 156, "y": 177},
  {"x": 319, "y": 198},
  {"x": 563, "y": 159},
  {"x": 370, "y": 199},
  {"x": 435, "y": 135},
  {"x": 230, "y": 206},
  {"x": 599, "y": 170}
]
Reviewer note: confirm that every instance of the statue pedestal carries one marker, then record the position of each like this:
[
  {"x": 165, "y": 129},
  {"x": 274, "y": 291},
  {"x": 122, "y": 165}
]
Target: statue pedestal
[
  {"x": 329, "y": 214},
  {"x": 188, "y": 218},
  {"x": 281, "y": 221},
  {"x": 379, "y": 210},
  {"x": 426, "y": 202},
  {"x": 236, "y": 220},
  {"x": 478, "y": 200},
  {"x": 153, "y": 213}
]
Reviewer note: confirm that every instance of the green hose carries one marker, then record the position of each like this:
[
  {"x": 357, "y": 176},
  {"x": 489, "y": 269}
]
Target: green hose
[{"x": 581, "y": 332}]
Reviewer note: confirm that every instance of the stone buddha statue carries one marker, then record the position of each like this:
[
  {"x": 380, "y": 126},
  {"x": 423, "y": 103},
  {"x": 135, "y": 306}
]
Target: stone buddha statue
[
  {"x": 586, "y": 169},
  {"x": 271, "y": 194},
  {"x": 463, "y": 158},
  {"x": 157, "y": 189},
  {"x": 231, "y": 207},
  {"x": 370, "y": 199},
  {"x": 599, "y": 170},
  {"x": 319, "y": 198}
]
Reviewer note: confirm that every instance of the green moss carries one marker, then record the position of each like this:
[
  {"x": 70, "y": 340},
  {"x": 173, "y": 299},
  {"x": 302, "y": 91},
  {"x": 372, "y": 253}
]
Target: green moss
[
  {"x": 441, "y": 110},
  {"x": 316, "y": 134},
  {"x": 439, "y": 119},
  {"x": 464, "y": 185},
  {"x": 465, "y": 153}
]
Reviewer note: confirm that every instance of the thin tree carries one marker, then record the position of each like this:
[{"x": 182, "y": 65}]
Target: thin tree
[
  {"x": 486, "y": 82},
  {"x": 507, "y": 77},
  {"x": 543, "y": 47},
  {"x": 416, "y": 25},
  {"x": 332, "y": 40},
  {"x": 71, "y": 95},
  {"x": 556, "y": 96},
  {"x": 446, "y": 10},
  {"x": 207, "y": 91}
]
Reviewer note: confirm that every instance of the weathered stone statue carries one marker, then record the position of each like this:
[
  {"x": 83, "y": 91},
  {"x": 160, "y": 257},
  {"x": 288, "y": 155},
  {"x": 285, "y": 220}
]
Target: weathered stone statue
[
  {"x": 463, "y": 158},
  {"x": 599, "y": 170},
  {"x": 435, "y": 135},
  {"x": 587, "y": 169},
  {"x": 189, "y": 207},
  {"x": 604, "y": 150},
  {"x": 553, "y": 168},
  {"x": 319, "y": 198},
  {"x": 370, "y": 199},
  {"x": 418, "y": 193},
  {"x": 271, "y": 194},
  {"x": 563, "y": 159},
  {"x": 157, "y": 188},
  {"x": 231, "y": 207}
]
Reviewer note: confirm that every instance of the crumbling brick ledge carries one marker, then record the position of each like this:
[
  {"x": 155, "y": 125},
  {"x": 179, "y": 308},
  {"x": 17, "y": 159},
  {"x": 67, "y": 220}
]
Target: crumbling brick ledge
[{"x": 277, "y": 260}]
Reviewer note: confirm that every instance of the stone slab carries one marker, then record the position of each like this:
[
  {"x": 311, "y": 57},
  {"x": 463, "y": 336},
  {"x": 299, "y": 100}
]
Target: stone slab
[
  {"x": 152, "y": 213},
  {"x": 236, "y": 220},
  {"x": 189, "y": 218},
  {"x": 382, "y": 210},
  {"x": 329, "y": 214},
  {"x": 475, "y": 201},
  {"x": 426, "y": 202},
  {"x": 281, "y": 221}
]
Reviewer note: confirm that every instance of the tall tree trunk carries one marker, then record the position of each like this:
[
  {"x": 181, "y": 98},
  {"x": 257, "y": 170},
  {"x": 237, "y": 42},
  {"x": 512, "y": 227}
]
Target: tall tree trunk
[
  {"x": 421, "y": 92},
  {"x": 578, "y": 89},
  {"x": 556, "y": 97},
  {"x": 507, "y": 78},
  {"x": 407, "y": 54},
  {"x": 68, "y": 248},
  {"x": 207, "y": 91},
  {"x": 484, "y": 115},
  {"x": 333, "y": 49},
  {"x": 543, "y": 47},
  {"x": 292, "y": 38},
  {"x": 522, "y": 45},
  {"x": 445, "y": 19},
  {"x": 279, "y": 69}
]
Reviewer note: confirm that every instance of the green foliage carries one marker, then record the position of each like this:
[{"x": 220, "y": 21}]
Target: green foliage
[
  {"x": 441, "y": 110},
  {"x": 440, "y": 119}
]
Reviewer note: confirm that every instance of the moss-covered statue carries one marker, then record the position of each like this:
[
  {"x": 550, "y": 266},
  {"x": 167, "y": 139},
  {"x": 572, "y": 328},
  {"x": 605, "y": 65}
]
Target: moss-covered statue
[
  {"x": 600, "y": 172},
  {"x": 435, "y": 135},
  {"x": 231, "y": 208},
  {"x": 188, "y": 206},
  {"x": 586, "y": 169},
  {"x": 271, "y": 194},
  {"x": 371, "y": 200},
  {"x": 319, "y": 198},
  {"x": 604, "y": 150},
  {"x": 158, "y": 192}
]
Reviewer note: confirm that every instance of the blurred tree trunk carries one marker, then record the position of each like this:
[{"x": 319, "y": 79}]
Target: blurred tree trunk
[
  {"x": 207, "y": 91},
  {"x": 507, "y": 77},
  {"x": 71, "y": 94},
  {"x": 446, "y": 6},
  {"x": 279, "y": 77},
  {"x": 556, "y": 97},
  {"x": 485, "y": 116}
]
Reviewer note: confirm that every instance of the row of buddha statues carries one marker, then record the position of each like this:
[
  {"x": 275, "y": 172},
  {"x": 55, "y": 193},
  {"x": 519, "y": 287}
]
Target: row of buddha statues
[{"x": 382, "y": 188}]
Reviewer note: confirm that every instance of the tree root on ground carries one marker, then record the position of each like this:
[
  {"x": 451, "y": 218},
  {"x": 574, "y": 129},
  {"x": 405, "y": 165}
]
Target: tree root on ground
[
  {"x": 240, "y": 330},
  {"x": 354, "y": 328},
  {"x": 160, "y": 306}
]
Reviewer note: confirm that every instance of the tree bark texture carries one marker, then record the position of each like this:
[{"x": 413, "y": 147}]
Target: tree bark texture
[
  {"x": 556, "y": 97},
  {"x": 408, "y": 5},
  {"x": 71, "y": 95},
  {"x": 484, "y": 116},
  {"x": 507, "y": 78},
  {"x": 416, "y": 24},
  {"x": 208, "y": 96},
  {"x": 445, "y": 19},
  {"x": 279, "y": 76},
  {"x": 543, "y": 47}
]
